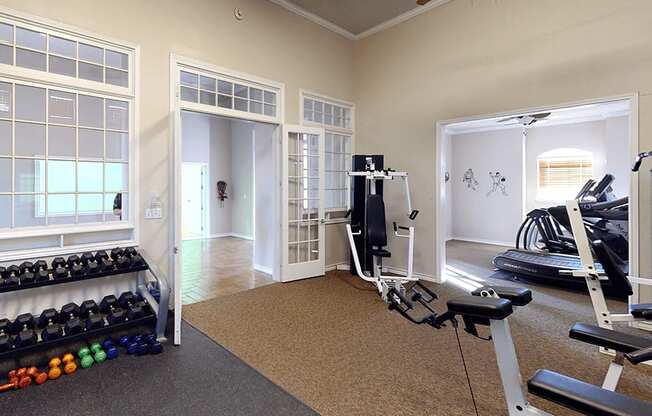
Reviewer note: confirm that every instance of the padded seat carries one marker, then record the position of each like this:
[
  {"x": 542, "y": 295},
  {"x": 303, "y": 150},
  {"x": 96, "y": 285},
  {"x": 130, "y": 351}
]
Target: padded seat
[
  {"x": 479, "y": 307},
  {"x": 379, "y": 252},
  {"x": 608, "y": 338},
  {"x": 583, "y": 397},
  {"x": 519, "y": 296},
  {"x": 642, "y": 311}
]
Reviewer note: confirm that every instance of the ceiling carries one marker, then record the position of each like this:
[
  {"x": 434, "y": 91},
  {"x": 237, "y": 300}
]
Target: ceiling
[
  {"x": 353, "y": 18},
  {"x": 567, "y": 115}
]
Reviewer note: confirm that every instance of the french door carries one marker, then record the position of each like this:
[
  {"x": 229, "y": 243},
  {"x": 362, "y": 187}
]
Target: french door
[{"x": 302, "y": 203}]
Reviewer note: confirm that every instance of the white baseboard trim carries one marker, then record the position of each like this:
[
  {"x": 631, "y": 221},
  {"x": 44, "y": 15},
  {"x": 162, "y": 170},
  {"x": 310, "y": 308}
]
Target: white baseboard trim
[
  {"x": 337, "y": 266},
  {"x": 263, "y": 269},
  {"x": 422, "y": 276},
  {"x": 244, "y": 237},
  {"x": 222, "y": 235},
  {"x": 482, "y": 241}
]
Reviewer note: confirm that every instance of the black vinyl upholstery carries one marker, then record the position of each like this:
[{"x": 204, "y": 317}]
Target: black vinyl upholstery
[
  {"x": 519, "y": 296},
  {"x": 618, "y": 279},
  {"x": 479, "y": 307},
  {"x": 583, "y": 397},
  {"x": 376, "y": 226},
  {"x": 642, "y": 311},
  {"x": 608, "y": 338}
]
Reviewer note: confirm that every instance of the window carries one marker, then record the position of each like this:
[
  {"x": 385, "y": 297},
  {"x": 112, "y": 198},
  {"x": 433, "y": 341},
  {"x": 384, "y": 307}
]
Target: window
[
  {"x": 336, "y": 118},
  {"x": 228, "y": 93},
  {"x": 562, "y": 172},
  {"x": 27, "y": 46}
]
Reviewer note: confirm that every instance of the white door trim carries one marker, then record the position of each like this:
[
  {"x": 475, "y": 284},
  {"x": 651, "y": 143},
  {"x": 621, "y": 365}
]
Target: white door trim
[
  {"x": 634, "y": 216},
  {"x": 176, "y": 106}
]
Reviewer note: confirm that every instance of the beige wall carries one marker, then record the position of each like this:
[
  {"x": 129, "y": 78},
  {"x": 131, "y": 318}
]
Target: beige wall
[
  {"x": 270, "y": 42},
  {"x": 472, "y": 57}
]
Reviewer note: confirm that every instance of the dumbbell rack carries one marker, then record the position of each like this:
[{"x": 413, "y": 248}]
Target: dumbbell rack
[{"x": 159, "y": 308}]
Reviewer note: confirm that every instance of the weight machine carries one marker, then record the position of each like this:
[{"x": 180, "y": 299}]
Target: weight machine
[{"x": 367, "y": 232}]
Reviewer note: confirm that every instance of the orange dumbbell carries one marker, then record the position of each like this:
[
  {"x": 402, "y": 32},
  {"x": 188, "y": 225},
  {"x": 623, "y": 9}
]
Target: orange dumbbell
[
  {"x": 20, "y": 378},
  {"x": 70, "y": 365},
  {"x": 55, "y": 368},
  {"x": 12, "y": 385},
  {"x": 39, "y": 377}
]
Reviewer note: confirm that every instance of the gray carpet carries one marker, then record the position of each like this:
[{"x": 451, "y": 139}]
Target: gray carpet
[{"x": 198, "y": 378}]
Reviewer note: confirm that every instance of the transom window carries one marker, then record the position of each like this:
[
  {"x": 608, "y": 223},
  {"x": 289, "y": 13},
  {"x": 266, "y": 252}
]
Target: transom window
[
  {"x": 336, "y": 118},
  {"x": 562, "y": 172},
  {"x": 63, "y": 156},
  {"x": 29, "y": 47},
  {"x": 228, "y": 93}
]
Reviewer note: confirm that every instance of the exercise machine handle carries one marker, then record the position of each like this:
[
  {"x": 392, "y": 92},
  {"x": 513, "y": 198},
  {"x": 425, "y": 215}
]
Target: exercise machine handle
[
  {"x": 413, "y": 214},
  {"x": 639, "y": 160},
  {"x": 640, "y": 356}
]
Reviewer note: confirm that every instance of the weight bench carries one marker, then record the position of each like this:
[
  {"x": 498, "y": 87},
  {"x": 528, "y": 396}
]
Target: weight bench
[
  {"x": 518, "y": 296},
  {"x": 571, "y": 393}
]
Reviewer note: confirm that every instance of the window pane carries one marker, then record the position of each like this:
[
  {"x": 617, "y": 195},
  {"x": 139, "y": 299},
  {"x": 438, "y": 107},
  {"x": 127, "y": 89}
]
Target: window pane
[
  {"x": 6, "y": 55},
  {"x": 117, "y": 115},
  {"x": 61, "y": 107},
  {"x": 30, "y": 139},
  {"x": 5, "y": 211},
  {"x": 30, "y": 175},
  {"x": 6, "y": 33},
  {"x": 188, "y": 94},
  {"x": 61, "y": 176},
  {"x": 109, "y": 200},
  {"x": 30, "y": 103},
  {"x": 189, "y": 80},
  {"x": 5, "y": 175},
  {"x": 91, "y": 143},
  {"x": 61, "y": 209},
  {"x": 241, "y": 91},
  {"x": 63, "y": 47},
  {"x": 91, "y": 54},
  {"x": 224, "y": 101},
  {"x": 90, "y": 208},
  {"x": 116, "y": 177},
  {"x": 241, "y": 105},
  {"x": 63, "y": 66},
  {"x": 256, "y": 94},
  {"x": 5, "y": 100},
  {"x": 30, "y": 39},
  {"x": 29, "y": 210},
  {"x": 90, "y": 72},
  {"x": 207, "y": 83},
  {"x": 207, "y": 98},
  {"x": 270, "y": 97},
  {"x": 270, "y": 110},
  {"x": 90, "y": 177},
  {"x": 117, "y": 77},
  {"x": 30, "y": 59},
  {"x": 117, "y": 59},
  {"x": 255, "y": 107},
  {"x": 91, "y": 113},
  {"x": 5, "y": 137},
  {"x": 117, "y": 145},
  {"x": 61, "y": 141},
  {"x": 225, "y": 87}
]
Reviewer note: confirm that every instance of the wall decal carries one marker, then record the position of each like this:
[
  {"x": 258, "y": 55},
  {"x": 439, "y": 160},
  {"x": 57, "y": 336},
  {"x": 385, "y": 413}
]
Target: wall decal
[
  {"x": 498, "y": 182},
  {"x": 469, "y": 179}
]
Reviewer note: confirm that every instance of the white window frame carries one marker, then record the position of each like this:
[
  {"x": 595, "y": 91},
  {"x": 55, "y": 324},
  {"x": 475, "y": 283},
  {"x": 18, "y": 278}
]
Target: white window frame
[
  {"x": 329, "y": 129},
  {"x": 20, "y": 75}
]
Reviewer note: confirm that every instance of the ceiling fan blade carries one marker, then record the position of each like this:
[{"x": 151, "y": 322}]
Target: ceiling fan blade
[
  {"x": 507, "y": 119},
  {"x": 422, "y": 2},
  {"x": 540, "y": 115}
]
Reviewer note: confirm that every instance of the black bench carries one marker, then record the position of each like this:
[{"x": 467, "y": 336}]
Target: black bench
[
  {"x": 642, "y": 311},
  {"x": 480, "y": 307},
  {"x": 583, "y": 397},
  {"x": 519, "y": 296},
  {"x": 608, "y": 338}
]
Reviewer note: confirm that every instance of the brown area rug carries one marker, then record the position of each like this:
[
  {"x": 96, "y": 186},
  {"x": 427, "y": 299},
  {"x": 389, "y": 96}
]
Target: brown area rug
[{"x": 332, "y": 343}]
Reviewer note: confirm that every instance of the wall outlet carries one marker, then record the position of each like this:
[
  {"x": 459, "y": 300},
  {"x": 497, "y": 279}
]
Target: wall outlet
[{"x": 153, "y": 213}]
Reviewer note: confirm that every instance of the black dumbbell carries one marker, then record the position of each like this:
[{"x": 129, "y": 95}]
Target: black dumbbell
[
  {"x": 103, "y": 261},
  {"x": 116, "y": 253},
  {"x": 6, "y": 341},
  {"x": 69, "y": 316},
  {"x": 89, "y": 263},
  {"x": 132, "y": 304},
  {"x": 48, "y": 321},
  {"x": 75, "y": 265},
  {"x": 26, "y": 265},
  {"x": 40, "y": 269},
  {"x": 109, "y": 306},
  {"x": 101, "y": 254},
  {"x": 130, "y": 251},
  {"x": 90, "y": 311},
  {"x": 123, "y": 263},
  {"x": 26, "y": 273},
  {"x": 59, "y": 270},
  {"x": 11, "y": 274},
  {"x": 23, "y": 328}
]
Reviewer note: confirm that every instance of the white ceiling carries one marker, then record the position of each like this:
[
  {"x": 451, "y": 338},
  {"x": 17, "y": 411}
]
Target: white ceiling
[
  {"x": 357, "y": 18},
  {"x": 568, "y": 115}
]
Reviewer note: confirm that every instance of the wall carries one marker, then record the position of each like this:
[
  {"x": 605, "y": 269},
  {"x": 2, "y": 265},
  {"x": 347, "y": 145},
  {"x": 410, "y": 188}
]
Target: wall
[
  {"x": 264, "y": 232},
  {"x": 478, "y": 215},
  {"x": 242, "y": 179},
  {"x": 472, "y": 57},
  {"x": 267, "y": 43}
]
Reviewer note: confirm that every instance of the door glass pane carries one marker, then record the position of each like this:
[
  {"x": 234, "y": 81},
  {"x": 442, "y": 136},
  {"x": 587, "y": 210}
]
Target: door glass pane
[
  {"x": 90, "y": 177},
  {"x": 91, "y": 72},
  {"x": 5, "y": 175},
  {"x": 62, "y": 66},
  {"x": 63, "y": 47},
  {"x": 61, "y": 176},
  {"x": 61, "y": 209},
  {"x": 117, "y": 59},
  {"x": 29, "y": 210},
  {"x": 30, "y": 139},
  {"x": 30, "y": 103},
  {"x": 30, "y": 39},
  {"x": 61, "y": 107},
  {"x": 91, "y": 54},
  {"x": 6, "y": 55},
  {"x": 5, "y": 211},
  {"x": 91, "y": 143},
  {"x": 91, "y": 113},
  {"x": 29, "y": 175},
  {"x": 61, "y": 141},
  {"x": 6, "y": 100},
  {"x": 31, "y": 59},
  {"x": 5, "y": 137}
]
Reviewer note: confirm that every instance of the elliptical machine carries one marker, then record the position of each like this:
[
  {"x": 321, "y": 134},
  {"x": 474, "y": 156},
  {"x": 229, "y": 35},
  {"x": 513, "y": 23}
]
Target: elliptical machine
[{"x": 367, "y": 232}]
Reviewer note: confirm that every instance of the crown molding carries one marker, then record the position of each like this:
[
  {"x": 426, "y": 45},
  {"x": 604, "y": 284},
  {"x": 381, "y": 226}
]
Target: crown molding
[{"x": 343, "y": 32}]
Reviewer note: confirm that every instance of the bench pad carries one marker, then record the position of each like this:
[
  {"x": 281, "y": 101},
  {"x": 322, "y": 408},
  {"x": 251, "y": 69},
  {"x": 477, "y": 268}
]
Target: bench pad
[
  {"x": 642, "y": 311},
  {"x": 583, "y": 397},
  {"x": 608, "y": 338},
  {"x": 479, "y": 307},
  {"x": 519, "y": 296}
]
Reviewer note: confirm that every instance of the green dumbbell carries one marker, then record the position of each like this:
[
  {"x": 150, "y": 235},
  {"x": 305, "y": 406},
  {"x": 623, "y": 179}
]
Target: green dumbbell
[
  {"x": 86, "y": 357},
  {"x": 98, "y": 353}
]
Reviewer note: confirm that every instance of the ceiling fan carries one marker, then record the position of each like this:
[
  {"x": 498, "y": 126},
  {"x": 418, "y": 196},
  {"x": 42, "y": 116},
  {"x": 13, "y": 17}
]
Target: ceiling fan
[
  {"x": 422, "y": 2},
  {"x": 525, "y": 120}
]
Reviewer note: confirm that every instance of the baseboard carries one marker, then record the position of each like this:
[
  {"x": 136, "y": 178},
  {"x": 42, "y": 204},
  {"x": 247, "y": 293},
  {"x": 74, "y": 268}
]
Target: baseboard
[
  {"x": 222, "y": 235},
  {"x": 263, "y": 269},
  {"x": 482, "y": 241},
  {"x": 337, "y": 266},
  {"x": 244, "y": 237},
  {"x": 421, "y": 276}
]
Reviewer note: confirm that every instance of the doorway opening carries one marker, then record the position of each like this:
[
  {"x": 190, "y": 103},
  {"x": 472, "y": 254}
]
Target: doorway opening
[{"x": 227, "y": 191}]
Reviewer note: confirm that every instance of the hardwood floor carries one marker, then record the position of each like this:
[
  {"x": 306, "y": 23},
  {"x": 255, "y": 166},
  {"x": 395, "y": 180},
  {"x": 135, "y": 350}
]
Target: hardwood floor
[{"x": 218, "y": 267}]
